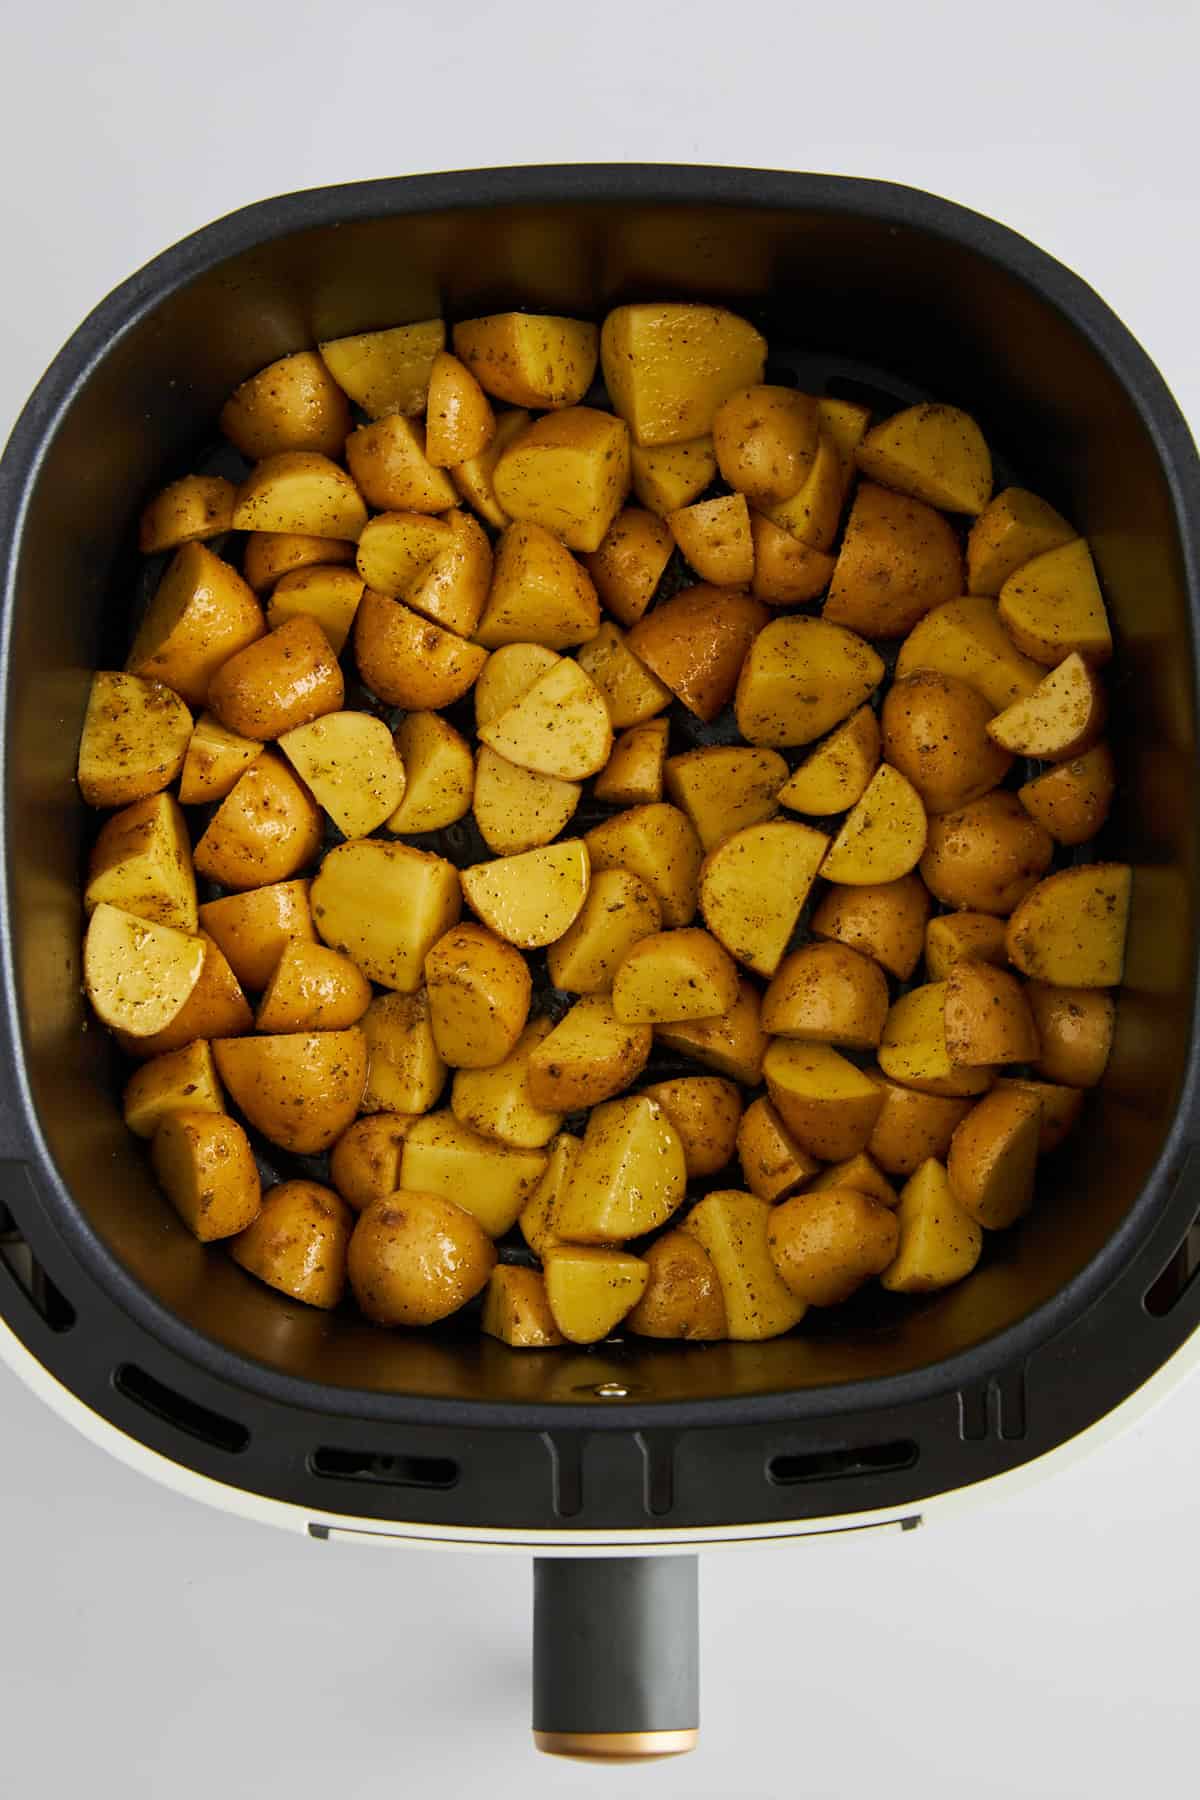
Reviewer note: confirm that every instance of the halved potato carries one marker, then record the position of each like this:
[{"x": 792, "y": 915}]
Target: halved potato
[
  {"x": 267, "y": 827},
  {"x": 138, "y": 974},
  {"x": 214, "y": 760},
  {"x": 201, "y": 614},
  {"x": 416, "y": 1258},
  {"x": 835, "y": 775},
  {"x": 492, "y": 1181},
  {"x": 668, "y": 368},
  {"x": 531, "y": 899},
  {"x": 508, "y": 673},
  {"x": 935, "y": 453},
  {"x": 364, "y": 1164},
  {"x": 627, "y": 565},
  {"x": 939, "y": 1242},
  {"x": 252, "y": 929},
  {"x": 269, "y": 555},
  {"x": 697, "y": 643},
  {"x": 987, "y": 1017},
  {"x": 914, "y": 1051},
  {"x": 409, "y": 661},
  {"x": 183, "y": 1080},
  {"x": 327, "y": 593},
  {"x": 479, "y": 990},
  {"x": 672, "y": 976},
  {"x": 406, "y": 1073},
  {"x": 723, "y": 788},
  {"x": 860, "y": 1174},
  {"x": 398, "y": 548},
  {"x": 559, "y": 726},
  {"x": 298, "y": 1243},
  {"x": 529, "y": 359},
  {"x": 714, "y": 537},
  {"x": 936, "y": 732},
  {"x": 618, "y": 912},
  {"x": 459, "y": 421},
  {"x": 706, "y": 1112},
  {"x": 682, "y": 1297},
  {"x": 1013, "y": 528},
  {"x": 912, "y": 1127},
  {"x": 292, "y": 404},
  {"x": 966, "y": 639},
  {"x": 142, "y": 862},
  {"x": 827, "y": 994},
  {"x": 1070, "y": 929},
  {"x": 1052, "y": 606},
  {"x": 540, "y": 1210},
  {"x": 773, "y": 1163},
  {"x": 898, "y": 560},
  {"x": 452, "y": 587},
  {"x": 590, "y": 1056},
  {"x": 385, "y": 906},
  {"x": 733, "y": 1228},
  {"x": 631, "y": 692},
  {"x": 813, "y": 514},
  {"x": 800, "y": 678},
  {"x": 517, "y": 809},
  {"x": 351, "y": 767},
  {"x": 439, "y": 774},
  {"x": 281, "y": 681},
  {"x": 733, "y": 1044},
  {"x": 633, "y": 774},
  {"x": 206, "y": 1168},
  {"x": 629, "y": 1176},
  {"x": 827, "y": 1104},
  {"x": 658, "y": 844},
  {"x": 885, "y": 922},
  {"x": 516, "y": 1310},
  {"x": 298, "y": 490},
  {"x": 302, "y": 1089},
  {"x": 786, "y": 572},
  {"x": 883, "y": 836},
  {"x": 474, "y": 478},
  {"x": 993, "y": 1157},
  {"x": 1072, "y": 801},
  {"x": 986, "y": 856},
  {"x": 216, "y": 1007},
  {"x": 1061, "y": 718},
  {"x": 386, "y": 371},
  {"x": 568, "y": 472},
  {"x": 197, "y": 506},
  {"x": 1061, "y": 1107},
  {"x": 765, "y": 440},
  {"x": 591, "y": 1290},
  {"x": 313, "y": 988},
  {"x": 499, "y": 1102},
  {"x": 826, "y": 1243},
  {"x": 388, "y": 462},
  {"x": 668, "y": 476},
  {"x": 753, "y": 886},
  {"x": 960, "y": 937}
]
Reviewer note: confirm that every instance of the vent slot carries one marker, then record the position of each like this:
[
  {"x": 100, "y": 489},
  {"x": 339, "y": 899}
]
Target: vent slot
[
  {"x": 51, "y": 1306},
  {"x": 791, "y": 1467},
  {"x": 384, "y": 1470},
  {"x": 1169, "y": 1288},
  {"x": 154, "y": 1396}
]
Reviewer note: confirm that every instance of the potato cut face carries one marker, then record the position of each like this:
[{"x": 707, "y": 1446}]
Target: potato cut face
[
  {"x": 629, "y": 1176},
  {"x": 733, "y": 1044},
  {"x": 725, "y": 788},
  {"x": 198, "y": 506},
  {"x": 397, "y": 547},
  {"x": 1061, "y": 718},
  {"x": 135, "y": 737},
  {"x": 386, "y": 371},
  {"x": 351, "y": 766},
  {"x": 517, "y": 809},
  {"x": 406, "y": 1072},
  {"x": 914, "y": 1051},
  {"x": 138, "y": 975},
  {"x": 214, "y": 760},
  {"x": 1013, "y": 528},
  {"x": 733, "y": 1228},
  {"x": 532, "y": 899},
  {"x": 201, "y": 614},
  {"x": 884, "y": 835},
  {"x": 560, "y": 726},
  {"x": 479, "y": 992},
  {"x": 330, "y": 595},
  {"x": 568, "y": 472},
  {"x": 1073, "y": 800},
  {"x": 935, "y": 453},
  {"x": 299, "y": 490},
  {"x": 634, "y": 772},
  {"x": 669, "y": 476},
  {"x": 142, "y": 862},
  {"x": 753, "y": 886},
  {"x": 385, "y": 906},
  {"x": 590, "y": 1290},
  {"x": 812, "y": 515},
  {"x": 516, "y": 1310},
  {"x": 835, "y": 776},
  {"x": 539, "y": 1211},
  {"x": 668, "y": 368},
  {"x": 628, "y": 563},
  {"x": 499, "y": 1102},
  {"x": 939, "y": 1242},
  {"x": 300, "y": 1090},
  {"x": 632, "y": 693},
  {"x": 474, "y": 478},
  {"x": 439, "y": 774},
  {"x": 1052, "y": 606},
  {"x": 183, "y": 1080},
  {"x": 490, "y": 1180},
  {"x": 674, "y": 976},
  {"x": 539, "y": 593},
  {"x": 618, "y": 912},
  {"x": 529, "y": 359},
  {"x": 966, "y": 639},
  {"x": 590, "y": 1056},
  {"x": 656, "y": 843},
  {"x": 1070, "y": 930},
  {"x": 391, "y": 470},
  {"x": 800, "y": 678}
]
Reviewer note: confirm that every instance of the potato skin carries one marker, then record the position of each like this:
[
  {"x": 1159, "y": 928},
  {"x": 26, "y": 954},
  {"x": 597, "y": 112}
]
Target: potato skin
[
  {"x": 765, "y": 439},
  {"x": 899, "y": 559},
  {"x": 935, "y": 732},
  {"x": 987, "y": 856},
  {"x": 292, "y": 404},
  {"x": 135, "y": 737},
  {"x": 298, "y": 1243},
  {"x": 283, "y": 680},
  {"x": 206, "y": 1168},
  {"x": 827, "y": 994},
  {"x": 267, "y": 828},
  {"x": 912, "y": 1127},
  {"x": 364, "y": 1164},
  {"x": 825, "y": 1244},
  {"x": 706, "y": 1112},
  {"x": 301, "y": 1090},
  {"x": 696, "y": 643},
  {"x": 682, "y": 1298},
  {"x": 408, "y": 660},
  {"x": 1075, "y": 1030},
  {"x": 202, "y": 613},
  {"x": 471, "y": 964},
  {"x": 885, "y": 921},
  {"x": 772, "y": 1162},
  {"x": 993, "y": 1155},
  {"x": 251, "y": 929},
  {"x": 416, "y": 1258}
]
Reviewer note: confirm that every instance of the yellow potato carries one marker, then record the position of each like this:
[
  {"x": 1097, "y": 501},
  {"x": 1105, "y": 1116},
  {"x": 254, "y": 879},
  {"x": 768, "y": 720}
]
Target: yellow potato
[
  {"x": 406, "y": 1073},
  {"x": 885, "y": 922},
  {"x": 313, "y": 988},
  {"x": 883, "y": 836},
  {"x": 827, "y": 994},
  {"x": 1070, "y": 930},
  {"x": 861, "y": 1175},
  {"x": 292, "y": 404},
  {"x": 987, "y": 1017},
  {"x": 508, "y": 673},
  {"x": 800, "y": 678},
  {"x": 912, "y": 1127},
  {"x": 1013, "y": 528},
  {"x": 986, "y": 856},
  {"x": 439, "y": 774},
  {"x": 364, "y": 1164},
  {"x": 669, "y": 368},
  {"x": 409, "y": 661},
  {"x": 706, "y": 1112},
  {"x": 252, "y": 929},
  {"x": 724, "y": 788},
  {"x": 631, "y": 693},
  {"x": 298, "y": 1243},
  {"x": 827, "y": 1104},
  {"x": 732, "y": 1227},
  {"x": 452, "y": 588},
  {"x": 714, "y": 537},
  {"x": 298, "y": 490},
  {"x": 682, "y": 1297},
  {"x": 914, "y": 1051},
  {"x": 201, "y": 614},
  {"x": 398, "y": 549},
  {"x": 1072, "y": 801},
  {"x": 672, "y": 976},
  {"x": 559, "y": 726},
  {"x": 198, "y": 506},
  {"x": 531, "y": 899},
  {"x": 416, "y": 1258},
  {"x": 939, "y": 1242},
  {"x": 656, "y": 843},
  {"x": 138, "y": 975},
  {"x": 1053, "y": 605},
  {"x": 628, "y": 1178},
  {"x": 388, "y": 463},
  {"x": 327, "y": 593},
  {"x": 753, "y": 886},
  {"x": 284, "y": 680},
  {"x": 993, "y": 1157},
  {"x": 301, "y": 1090},
  {"x": 697, "y": 642},
  {"x": 954, "y": 938},
  {"x": 845, "y": 423},
  {"x": 786, "y": 572},
  {"x": 473, "y": 479},
  {"x": 568, "y": 472},
  {"x": 591, "y": 1290},
  {"x": 540, "y": 1210},
  {"x": 206, "y": 1168},
  {"x": 386, "y": 371},
  {"x": 627, "y": 564},
  {"x": 385, "y": 906},
  {"x": 142, "y": 862},
  {"x": 1061, "y": 1107},
  {"x": 267, "y": 827},
  {"x": 965, "y": 639},
  {"x": 517, "y": 809},
  {"x": 936, "y": 731},
  {"x": 835, "y": 775},
  {"x": 1061, "y": 718},
  {"x": 351, "y": 767},
  {"x": 491, "y": 1181},
  {"x": 765, "y": 439},
  {"x": 935, "y": 453},
  {"x": 517, "y": 1311},
  {"x": 812, "y": 516},
  {"x": 633, "y": 774},
  {"x": 270, "y": 555},
  {"x": 183, "y": 1080},
  {"x": 733, "y": 1045},
  {"x": 540, "y": 594},
  {"x": 216, "y": 1007},
  {"x": 479, "y": 990},
  {"x": 214, "y": 760},
  {"x": 773, "y": 1163},
  {"x": 825, "y": 1244},
  {"x": 459, "y": 421},
  {"x": 590, "y": 1056},
  {"x": 898, "y": 560},
  {"x": 619, "y": 912},
  {"x": 529, "y": 359},
  {"x": 499, "y": 1102},
  {"x": 668, "y": 476}
]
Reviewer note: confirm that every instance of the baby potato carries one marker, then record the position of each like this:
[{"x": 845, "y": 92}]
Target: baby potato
[
  {"x": 912, "y": 1126},
  {"x": 706, "y": 1112},
  {"x": 439, "y": 774},
  {"x": 269, "y": 555},
  {"x": 733, "y": 1045},
  {"x": 399, "y": 547},
  {"x": 459, "y": 421},
  {"x": 836, "y": 774},
  {"x": 388, "y": 462},
  {"x": 1052, "y": 606},
  {"x": 202, "y": 613},
  {"x": 899, "y": 559},
  {"x": 533, "y": 899},
  {"x": 732, "y": 1227},
  {"x": 298, "y": 1243},
  {"x": 386, "y": 371},
  {"x": 313, "y": 988},
  {"x": 697, "y": 642},
  {"x": 724, "y": 787},
  {"x": 1061, "y": 1107},
  {"x": 786, "y": 572},
  {"x": 517, "y": 809},
  {"x": 364, "y": 1164},
  {"x": 406, "y": 1073},
  {"x": 860, "y": 1174},
  {"x": 529, "y": 359},
  {"x": 589, "y": 1056},
  {"x": 812, "y": 516},
  {"x": 987, "y": 856},
  {"x": 882, "y": 837},
  {"x": 1075, "y": 1031},
  {"x": 1062, "y": 717},
  {"x": 492, "y": 1181},
  {"x": 298, "y": 490},
  {"x": 633, "y": 774},
  {"x": 631, "y": 693},
  {"x": 416, "y": 1258},
  {"x": 1072, "y": 801},
  {"x": 292, "y": 404},
  {"x": 800, "y": 678},
  {"x": 253, "y": 929},
  {"x": 281, "y": 681},
  {"x": 827, "y": 1104},
  {"x": 619, "y": 912},
  {"x": 886, "y": 921},
  {"x": 657, "y": 844},
  {"x": 265, "y": 829},
  {"x": 409, "y": 661},
  {"x": 474, "y": 478},
  {"x": 713, "y": 536},
  {"x": 953, "y": 938},
  {"x": 214, "y": 760},
  {"x": 568, "y": 472},
  {"x": 327, "y": 593},
  {"x": 936, "y": 732},
  {"x": 773, "y": 1163},
  {"x": 765, "y": 440},
  {"x": 987, "y": 1017},
  {"x": 539, "y": 593},
  {"x": 385, "y": 906},
  {"x": 452, "y": 588},
  {"x": 1070, "y": 929},
  {"x": 508, "y": 673},
  {"x": 629, "y": 1176},
  {"x": 826, "y": 1243},
  {"x": 135, "y": 737},
  {"x": 540, "y": 1210},
  {"x": 628, "y": 563},
  {"x": 517, "y": 1311},
  {"x": 673, "y": 976},
  {"x": 559, "y": 726},
  {"x": 993, "y": 1157},
  {"x": 216, "y": 1007},
  {"x": 669, "y": 368},
  {"x": 682, "y": 1298},
  {"x": 301, "y": 1090},
  {"x": 668, "y": 476},
  {"x": 827, "y": 994},
  {"x": 935, "y": 453},
  {"x": 753, "y": 886},
  {"x": 206, "y": 1168},
  {"x": 1013, "y": 528},
  {"x": 479, "y": 990},
  {"x": 939, "y": 1242},
  {"x": 590, "y": 1290},
  {"x": 351, "y": 767},
  {"x": 914, "y": 1050},
  {"x": 181, "y": 1081},
  {"x": 142, "y": 862},
  {"x": 499, "y": 1102},
  {"x": 138, "y": 975},
  {"x": 198, "y": 506},
  {"x": 966, "y": 640}
]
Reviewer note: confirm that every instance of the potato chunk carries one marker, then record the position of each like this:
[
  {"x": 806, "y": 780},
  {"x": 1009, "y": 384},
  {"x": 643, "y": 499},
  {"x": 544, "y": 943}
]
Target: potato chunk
[
  {"x": 827, "y": 1104},
  {"x": 142, "y": 862},
  {"x": 935, "y": 453},
  {"x": 533, "y": 899},
  {"x": 966, "y": 640},
  {"x": 886, "y": 922},
  {"x": 406, "y": 1072},
  {"x": 539, "y": 593},
  {"x": 1070, "y": 930},
  {"x": 479, "y": 990},
  {"x": 292, "y": 404},
  {"x": 459, "y": 421},
  {"x": 385, "y": 906},
  {"x": 631, "y": 692},
  {"x": 590, "y": 1056},
  {"x": 882, "y": 837},
  {"x": 201, "y": 614},
  {"x": 668, "y": 368},
  {"x": 714, "y": 537},
  {"x": 388, "y": 462},
  {"x": 568, "y": 472},
  {"x": 633, "y": 774},
  {"x": 198, "y": 506},
  {"x": 1052, "y": 606},
  {"x": 281, "y": 681},
  {"x": 439, "y": 774},
  {"x": 723, "y": 788},
  {"x": 827, "y": 994},
  {"x": 1061, "y": 718},
  {"x": 732, "y": 1227},
  {"x": 682, "y": 1297},
  {"x": 266, "y": 828},
  {"x": 138, "y": 975},
  {"x": 1013, "y": 528},
  {"x": 490, "y": 1180},
  {"x": 733, "y": 1044},
  {"x": 618, "y": 913},
  {"x": 825, "y": 1244},
  {"x": 298, "y": 1243},
  {"x": 627, "y": 565},
  {"x": 301, "y": 1090},
  {"x": 351, "y": 767},
  {"x": 516, "y": 1310},
  {"x": 753, "y": 885},
  {"x": 529, "y": 359},
  {"x": 629, "y": 1177},
  {"x": 206, "y": 1168},
  {"x": 386, "y": 371},
  {"x": 914, "y": 1049},
  {"x": 800, "y": 678},
  {"x": 939, "y": 1242},
  {"x": 591, "y": 1290},
  {"x": 499, "y": 1102},
  {"x": 673, "y": 976},
  {"x": 416, "y": 1258},
  {"x": 298, "y": 490},
  {"x": 697, "y": 643},
  {"x": 834, "y": 776},
  {"x": 993, "y": 1157},
  {"x": 656, "y": 843},
  {"x": 898, "y": 560}
]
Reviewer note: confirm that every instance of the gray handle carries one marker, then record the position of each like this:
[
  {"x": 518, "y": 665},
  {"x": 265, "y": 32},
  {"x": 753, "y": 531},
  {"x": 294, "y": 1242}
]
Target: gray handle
[{"x": 616, "y": 1656}]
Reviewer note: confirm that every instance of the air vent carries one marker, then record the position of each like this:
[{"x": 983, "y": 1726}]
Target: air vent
[
  {"x": 1170, "y": 1287},
  {"x": 385, "y": 1469},
  {"x": 173, "y": 1408},
  {"x": 51, "y": 1306},
  {"x": 841, "y": 1465}
]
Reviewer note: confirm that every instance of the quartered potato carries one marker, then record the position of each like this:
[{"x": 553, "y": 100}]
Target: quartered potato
[
  {"x": 669, "y": 368},
  {"x": 509, "y": 672},
  {"x": 1062, "y": 717},
  {"x": 540, "y": 1210},
  {"x": 1013, "y": 528},
  {"x": 1072, "y": 801},
  {"x": 517, "y": 809},
  {"x": 861, "y": 1175},
  {"x": 714, "y": 537},
  {"x": 773, "y": 1163},
  {"x": 590, "y": 1290},
  {"x": 618, "y": 913},
  {"x": 206, "y": 1168},
  {"x": 1052, "y": 607},
  {"x": 912, "y": 1126},
  {"x": 937, "y": 732},
  {"x": 914, "y": 1049},
  {"x": 656, "y": 843},
  {"x": 397, "y": 548},
  {"x": 266, "y": 829},
  {"x": 559, "y": 726},
  {"x": 408, "y": 660},
  {"x": 825, "y": 1244},
  {"x": 800, "y": 678},
  {"x": 489, "y": 1180},
  {"x": 733, "y": 1044},
  {"x": 474, "y": 478},
  {"x": 327, "y": 593},
  {"x": 253, "y": 929},
  {"x": 899, "y": 559},
  {"x": 812, "y": 516},
  {"x": 724, "y": 787},
  {"x": 589, "y": 1056},
  {"x": 292, "y": 404},
  {"x": 935, "y": 453},
  {"x": 1061, "y": 1107},
  {"x": 697, "y": 643},
  {"x": 568, "y": 472},
  {"x": 364, "y": 1164},
  {"x": 673, "y": 976},
  {"x": 439, "y": 774},
  {"x": 987, "y": 1017},
  {"x": 883, "y": 836},
  {"x": 214, "y": 760},
  {"x": 765, "y": 439},
  {"x": 1075, "y": 1031},
  {"x": 939, "y": 1242},
  {"x": 183, "y": 1080},
  {"x": 682, "y": 1297},
  {"x": 216, "y": 1007},
  {"x": 966, "y": 640},
  {"x": 668, "y": 476},
  {"x": 198, "y": 506},
  {"x": 499, "y": 1101},
  {"x": 993, "y": 1157},
  {"x": 138, "y": 975},
  {"x": 753, "y": 886},
  {"x": 201, "y": 614},
  {"x": 479, "y": 991},
  {"x": 301, "y": 1089},
  {"x": 885, "y": 921},
  {"x": 529, "y": 359},
  {"x": 453, "y": 586},
  {"x": 634, "y": 772},
  {"x": 834, "y": 776},
  {"x": 284, "y": 680},
  {"x": 406, "y": 1072},
  {"x": 300, "y": 490},
  {"x": 142, "y": 862},
  {"x": 388, "y": 462},
  {"x": 827, "y": 994},
  {"x": 985, "y": 856},
  {"x": 786, "y": 572},
  {"x": 706, "y": 1112},
  {"x": 313, "y": 988},
  {"x": 351, "y": 767},
  {"x": 385, "y": 906},
  {"x": 531, "y": 900},
  {"x": 632, "y": 693},
  {"x": 516, "y": 1310},
  {"x": 459, "y": 421},
  {"x": 960, "y": 937},
  {"x": 629, "y": 1176},
  {"x": 1070, "y": 929},
  {"x": 135, "y": 738},
  {"x": 826, "y": 1102},
  {"x": 298, "y": 1243},
  {"x": 733, "y": 1228},
  {"x": 269, "y": 555},
  {"x": 628, "y": 563},
  {"x": 386, "y": 371}
]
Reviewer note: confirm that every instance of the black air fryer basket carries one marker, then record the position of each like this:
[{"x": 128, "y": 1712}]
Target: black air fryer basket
[{"x": 323, "y": 1422}]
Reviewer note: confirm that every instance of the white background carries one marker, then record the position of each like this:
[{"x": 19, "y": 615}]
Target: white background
[{"x": 150, "y": 1648}]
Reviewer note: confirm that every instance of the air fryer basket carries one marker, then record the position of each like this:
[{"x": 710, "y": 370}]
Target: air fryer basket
[{"x": 852, "y": 281}]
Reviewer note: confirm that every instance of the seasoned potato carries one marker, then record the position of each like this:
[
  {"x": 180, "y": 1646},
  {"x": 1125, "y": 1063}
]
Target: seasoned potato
[
  {"x": 1013, "y": 528},
  {"x": 786, "y": 572},
  {"x": 1070, "y": 929},
  {"x": 826, "y": 1243},
  {"x": 206, "y": 1168},
  {"x": 697, "y": 643},
  {"x": 385, "y": 906},
  {"x": 540, "y": 1210},
  {"x": 732, "y": 1227},
  {"x": 298, "y": 1243},
  {"x": 473, "y": 478},
  {"x": 409, "y": 661},
  {"x": 517, "y": 1311},
  {"x": 800, "y": 678},
  {"x": 406, "y": 1073},
  {"x": 705, "y": 1112},
  {"x": 142, "y": 862},
  {"x": 439, "y": 774},
  {"x": 827, "y": 1104},
  {"x": 765, "y": 439},
  {"x": 508, "y": 673},
  {"x": 682, "y": 1297},
  {"x": 284, "y": 680},
  {"x": 861, "y": 1175},
  {"x": 885, "y": 922},
  {"x": 629, "y": 1176},
  {"x": 987, "y": 1017},
  {"x": 198, "y": 506},
  {"x": 935, "y": 453},
  {"x": 590, "y": 1056},
  {"x": 202, "y": 613},
  {"x": 298, "y": 490},
  {"x": 633, "y": 774},
  {"x": 364, "y": 1164},
  {"x": 559, "y": 726},
  {"x": 138, "y": 974},
  {"x": 835, "y": 775},
  {"x": 914, "y": 1050},
  {"x": 591, "y": 1290},
  {"x": 568, "y": 472},
  {"x": 668, "y": 476},
  {"x": 267, "y": 827},
  {"x": 1061, "y": 1107},
  {"x": 351, "y": 767},
  {"x": 753, "y": 885},
  {"x": 714, "y": 537},
  {"x": 993, "y": 1157},
  {"x": 183, "y": 1080},
  {"x": 882, "y": 837},
  {"x": 300, "y": 1090},
  {"x": 216, "y": 1007},
  {"x": 812, "y": 516},
  {"x": 479, "y": 990},
  {"x": 517, "y": 809},
  {"x": 388, "y": 462},
  {"x": 773, "y": 1163},
  {"x": 214, "y": 760},
  {"x": 386, "y": 371},
  {"x": 965, "y": 639},
  {"x": 845, "y": 423},
  {"x": 936, "y": 732},
  {"x": 987, "y": 856},
  {"x": 672, "y": 976},
  {"x": 939, "y": 1242},
  {"x": 459, "y": 421},
  {"x": 827, "y": 994},
  {"x": 1061, "y": 718},
  {"x": 292, "y": 404},
  {"x": 416, "y": 1258},
  {"x": 619, "y": 912},
  {"x": 960, "y": 937},
  {"x": 327, "y": 593},
  {"x": 1053, "y": 605},
  {"x": 498, "y": 1102},
  {"x": 531, "y": 900},
  {"x": 733, "y": 1045},
  {"x": 252, "y": 929},
  {"x": 313, "y": 988},
  {"x": 492, "y": 1181},
  {"x": 913, "y": 1126},
  {"x": 723, "y": 788},
  {"x": 898, "y": 560},
  {"x": 658, "y": 844},
  {"x": 398, "y": 548},
  {"x": 1072, "y": 801},
  {"x": 631, "y": 692},
  {"x": 669, "y": 368},
  {"x": 529, "y": 359},
  {"x": 453, "y": 586},
  {"x": 269, "y": 555},
  {"x": 627, "y": 564}
]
